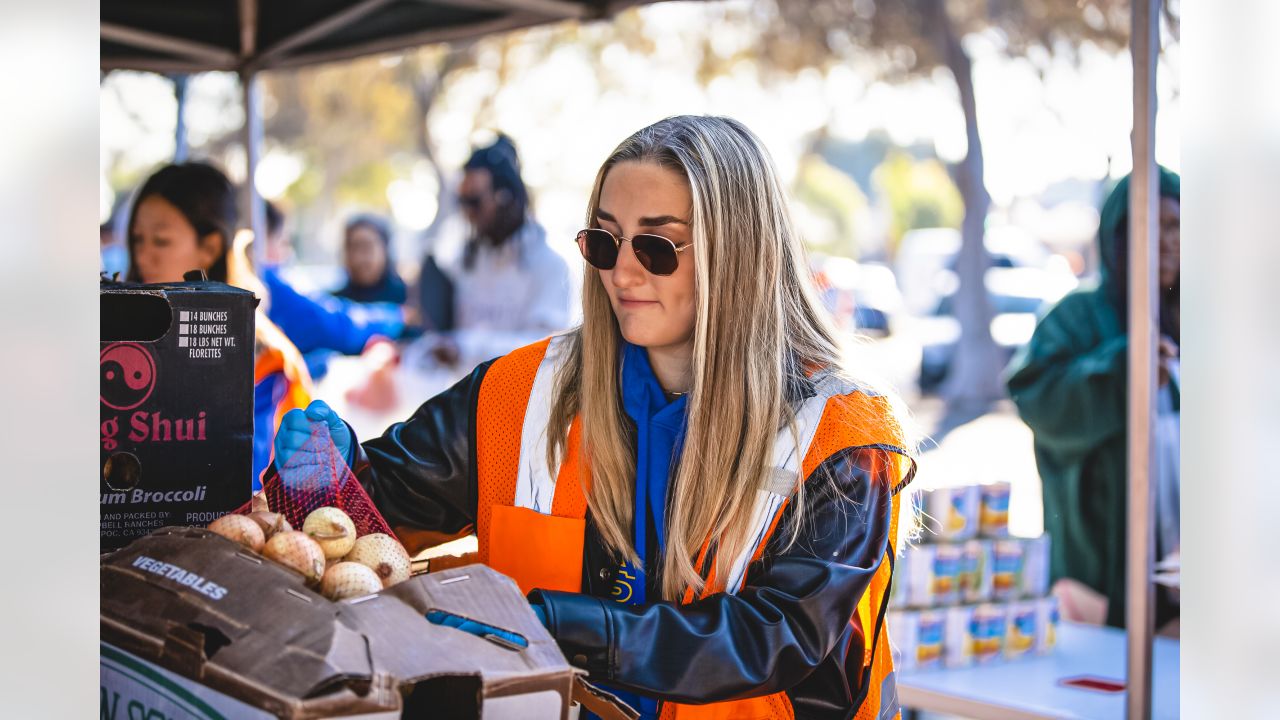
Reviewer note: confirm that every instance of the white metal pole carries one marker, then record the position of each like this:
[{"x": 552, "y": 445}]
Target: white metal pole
[
  {"x": 255, "y": 212},
  {"x": 180, "y": 146},
  {"x": 1144, "y": 251}
]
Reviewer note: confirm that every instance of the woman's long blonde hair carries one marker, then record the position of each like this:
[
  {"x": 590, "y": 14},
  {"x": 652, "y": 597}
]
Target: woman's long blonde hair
[{"x": 759, "y": 327}]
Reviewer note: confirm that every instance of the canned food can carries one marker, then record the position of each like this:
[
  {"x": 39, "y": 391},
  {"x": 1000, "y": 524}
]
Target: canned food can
[
  {"x": 952, "y": 512},
  {"x": 1022, "y": 633},
  {"x": 958, "y": 645},
  {"x": 993, "y": 518},
  {"x": 946, "y": 574},
  {"x": 1047, "y": 625},
  {"x": 900, "y": 582},
  {"x": 988, "y": 630},
  {"x": 975, "y": 571},
  {"x": 919, "y": 568},
  {"x": 1006, "y": 573},
  {"x": 931, "y": 628},
  {"x": 1035, "y": 567}
]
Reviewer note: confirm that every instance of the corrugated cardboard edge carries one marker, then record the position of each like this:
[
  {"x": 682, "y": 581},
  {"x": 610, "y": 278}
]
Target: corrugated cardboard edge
[{"x": 602, "y": 703}]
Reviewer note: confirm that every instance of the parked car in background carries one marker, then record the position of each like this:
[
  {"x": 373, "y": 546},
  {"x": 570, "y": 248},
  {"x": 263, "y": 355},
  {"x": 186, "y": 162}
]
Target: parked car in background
[
  {"x": 1018, "y": 296},
  {"x": 925, "y": 261},
  {"x": 862, "y": 297}
]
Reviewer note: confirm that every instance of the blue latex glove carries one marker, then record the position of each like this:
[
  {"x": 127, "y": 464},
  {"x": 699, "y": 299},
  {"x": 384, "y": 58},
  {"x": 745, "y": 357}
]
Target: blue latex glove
[
  {"x": 475, "y": 627},
  {"x": 295, "y": 430}
]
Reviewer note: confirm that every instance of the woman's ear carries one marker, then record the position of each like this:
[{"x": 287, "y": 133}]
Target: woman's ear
[
  {"x": 209, "y": 249},
  {"x": 502, "y": 197}
]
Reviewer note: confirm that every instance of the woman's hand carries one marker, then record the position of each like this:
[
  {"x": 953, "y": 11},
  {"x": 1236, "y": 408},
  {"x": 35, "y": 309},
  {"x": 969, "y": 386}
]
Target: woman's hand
[{"x": 297, "y": 426}]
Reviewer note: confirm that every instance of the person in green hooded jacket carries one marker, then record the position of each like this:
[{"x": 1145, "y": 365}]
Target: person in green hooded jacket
[{"x": 1070, "y": 386}]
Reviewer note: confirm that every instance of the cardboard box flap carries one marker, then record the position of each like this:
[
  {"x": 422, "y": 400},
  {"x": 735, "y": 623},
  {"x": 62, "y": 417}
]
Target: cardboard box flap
[
  {"x": 124, "y": 286},
  {"x": 480, "y": 593},
  {"x": 193, "y": 600},
  {"x": 414, "y": 649},
  {"x": 602, "y": 703}
]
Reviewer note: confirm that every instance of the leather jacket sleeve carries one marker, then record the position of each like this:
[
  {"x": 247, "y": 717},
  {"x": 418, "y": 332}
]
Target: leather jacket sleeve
[
  {"x": 793, "y": 610},
  {"x": 421, "y": 473}
]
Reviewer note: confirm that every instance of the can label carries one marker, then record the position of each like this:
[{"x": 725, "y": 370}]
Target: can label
[
  {"x": 1022, "y": 634},
  {"x": 994, "y": 514},
  {"x": 988, "y": 630},
  {"x": 1006, "y": 574},
  {"x": 929, "y": 642},
  {"x": 946, "y": 574}
]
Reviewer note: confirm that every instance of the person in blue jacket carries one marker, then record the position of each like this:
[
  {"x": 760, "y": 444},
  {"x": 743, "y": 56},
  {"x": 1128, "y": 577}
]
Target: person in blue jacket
[{"x": 320, "y": 325}]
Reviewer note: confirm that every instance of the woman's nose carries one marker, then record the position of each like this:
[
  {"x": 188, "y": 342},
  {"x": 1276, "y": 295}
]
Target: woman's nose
[{"x": 627, "y": 272}]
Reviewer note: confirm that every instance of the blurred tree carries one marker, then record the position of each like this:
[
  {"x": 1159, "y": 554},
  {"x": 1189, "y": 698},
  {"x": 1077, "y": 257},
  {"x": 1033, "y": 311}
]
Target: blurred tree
[
  {"x": 348, "y": 122},
  {"x": 832, "y": 203},
  {"x": 920, "y": 195},
  {"x": 913, "y": 38},
  {"x": 425, "y": 70}
]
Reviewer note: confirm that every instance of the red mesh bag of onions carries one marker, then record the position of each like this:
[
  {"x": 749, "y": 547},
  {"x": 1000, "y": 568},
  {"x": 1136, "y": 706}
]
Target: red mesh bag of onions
[{"x": 317, "y": 476}]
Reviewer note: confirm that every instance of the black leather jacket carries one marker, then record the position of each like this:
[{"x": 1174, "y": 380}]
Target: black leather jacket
[{"x": 787, "y": 629}]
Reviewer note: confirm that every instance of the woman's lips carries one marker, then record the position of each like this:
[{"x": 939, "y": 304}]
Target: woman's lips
[{"x": 636, "y": 304}]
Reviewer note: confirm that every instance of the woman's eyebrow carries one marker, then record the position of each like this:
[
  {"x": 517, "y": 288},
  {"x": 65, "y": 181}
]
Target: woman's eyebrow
[{"x": 658, "y": 221}]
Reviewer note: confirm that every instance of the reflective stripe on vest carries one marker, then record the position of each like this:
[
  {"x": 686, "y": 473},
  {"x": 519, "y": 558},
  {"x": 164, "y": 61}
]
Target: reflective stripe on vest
[{"x": 530, "y": 521}]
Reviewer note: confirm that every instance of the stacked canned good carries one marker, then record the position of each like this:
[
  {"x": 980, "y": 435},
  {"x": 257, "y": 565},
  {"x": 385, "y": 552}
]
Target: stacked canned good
[{"x": 969, "y": 593}]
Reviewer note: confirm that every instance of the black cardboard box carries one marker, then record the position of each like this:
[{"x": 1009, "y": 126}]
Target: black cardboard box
[
  {"x": 195, "y": 626},
  {"x": 176, "y": 402}
]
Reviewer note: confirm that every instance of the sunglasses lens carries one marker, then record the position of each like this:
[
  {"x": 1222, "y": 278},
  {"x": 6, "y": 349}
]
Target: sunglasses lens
[
  {"x": 598, "y": 248},
  {"x": 655, "y": 253}
]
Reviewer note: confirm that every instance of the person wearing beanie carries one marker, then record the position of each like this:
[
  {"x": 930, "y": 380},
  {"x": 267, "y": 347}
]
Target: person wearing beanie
[{"x": 506, "y": 287}]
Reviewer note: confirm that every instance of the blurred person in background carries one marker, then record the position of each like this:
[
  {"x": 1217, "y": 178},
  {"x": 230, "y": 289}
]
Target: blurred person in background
[
  {"x": 1070, "y": 385},
  {"x": 279, "y": 248},
  {"x": 184, "y": 218},
  {"x": 371, "y": 269},
  {"x": 704, "y": 510},
  {"x": 509, "y": 287},
  {"x": 321, "y": 324}
]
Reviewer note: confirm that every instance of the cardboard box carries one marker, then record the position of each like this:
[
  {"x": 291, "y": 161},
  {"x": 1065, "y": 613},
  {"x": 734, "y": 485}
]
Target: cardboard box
[
  {"x": 176, "y": 405},
  {"x": 191, "y": 620}
]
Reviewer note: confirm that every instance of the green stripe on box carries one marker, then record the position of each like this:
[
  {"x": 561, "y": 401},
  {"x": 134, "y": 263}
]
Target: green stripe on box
[{"x": 146, "y": 675}]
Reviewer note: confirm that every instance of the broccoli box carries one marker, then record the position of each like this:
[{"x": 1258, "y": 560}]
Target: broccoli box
[{"x": 176, "y": 405}]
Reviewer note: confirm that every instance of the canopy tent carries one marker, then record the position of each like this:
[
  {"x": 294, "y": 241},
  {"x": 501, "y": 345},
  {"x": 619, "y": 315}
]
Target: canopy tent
[
  {"x": 248, "y": 36},
  {"x": 245, "y": 36}
]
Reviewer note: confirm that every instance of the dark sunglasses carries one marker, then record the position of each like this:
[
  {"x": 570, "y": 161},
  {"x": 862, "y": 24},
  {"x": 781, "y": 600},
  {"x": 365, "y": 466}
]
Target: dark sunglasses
[
  {"x": 471, "y": 202},
  {"x": 656, "y": 254}
]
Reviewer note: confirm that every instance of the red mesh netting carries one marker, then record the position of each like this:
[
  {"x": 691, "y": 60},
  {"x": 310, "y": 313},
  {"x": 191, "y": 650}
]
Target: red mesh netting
[{"x": 314, "y": 477}]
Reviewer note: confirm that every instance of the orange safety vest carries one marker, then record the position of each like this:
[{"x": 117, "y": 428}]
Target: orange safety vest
[
  {"x": 277, "y": 354},
  {"x": 533, "y": 528}
]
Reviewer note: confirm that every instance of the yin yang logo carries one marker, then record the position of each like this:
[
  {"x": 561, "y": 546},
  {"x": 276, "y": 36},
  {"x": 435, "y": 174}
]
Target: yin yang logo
[{"x": 127, "y": 375}]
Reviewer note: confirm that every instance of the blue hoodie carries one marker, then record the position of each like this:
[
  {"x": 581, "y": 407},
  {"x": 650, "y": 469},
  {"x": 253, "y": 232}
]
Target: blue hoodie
[{"x": 660, "y": 428}]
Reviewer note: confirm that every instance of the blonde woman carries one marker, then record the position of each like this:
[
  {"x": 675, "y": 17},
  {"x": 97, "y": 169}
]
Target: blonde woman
[{"x": 698, "y": 499}]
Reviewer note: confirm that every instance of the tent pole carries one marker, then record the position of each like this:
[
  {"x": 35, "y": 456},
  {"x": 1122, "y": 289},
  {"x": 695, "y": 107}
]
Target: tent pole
[
  {"x": 255, "y": 212},
  {"x": 180, "y": 147},
  {"x": 1144, "y": 251}
]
